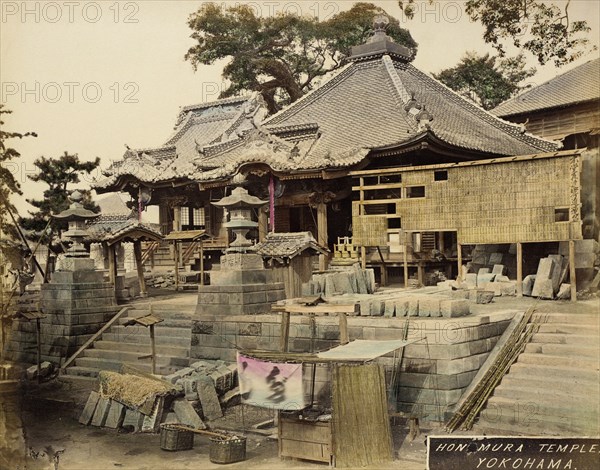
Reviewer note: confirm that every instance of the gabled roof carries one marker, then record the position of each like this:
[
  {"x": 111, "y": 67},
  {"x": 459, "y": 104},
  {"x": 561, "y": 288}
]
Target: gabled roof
[
  {"x": 380, "y": 102},
  {"x": 197, "y": 126},
  {"x": 288, "y": 245},
  {"x": 578, "y": 85},
  {"x": 113, "y": 228}
]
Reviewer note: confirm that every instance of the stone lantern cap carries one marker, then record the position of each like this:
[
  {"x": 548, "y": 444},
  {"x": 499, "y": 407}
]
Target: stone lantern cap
[
  {"x": 76, "y": 211},
  {"x": 239, "y": 198}
]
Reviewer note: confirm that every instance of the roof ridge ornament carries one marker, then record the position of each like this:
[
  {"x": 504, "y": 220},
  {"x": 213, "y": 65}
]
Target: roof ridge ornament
[{"x": 380, "y": 44}]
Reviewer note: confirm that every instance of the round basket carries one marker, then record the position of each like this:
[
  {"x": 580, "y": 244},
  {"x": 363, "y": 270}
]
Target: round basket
[
  {"x": 227, "y": 450},
  {"x": 175, "y": 438}
]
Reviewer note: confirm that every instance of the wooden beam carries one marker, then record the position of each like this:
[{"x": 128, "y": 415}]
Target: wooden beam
[
  {"x": 93, "y": 338},
  {"x": 363, "y": 257},
  {"x": 285, "y": 331},
  {"x": 572, "y": 276},
  {"x": 519, "y": 269},
  {"x": 321, "y": 308},
  {"x": 344, "y": 337},
  {"x": 177, "y": 218},
  {"x": 406, "y": 259},
  {"x": 201, "y": 262},
  {"x": 137, "y": 252},
  {"x": 112, "y": 267},
  {"x": 263, "y": 225},
  {"x": 176, "y": 247},
  {"x": 153, "y": 349},
  {"x": 383, "y": 268},
  {"x": 459, "y": 256}
]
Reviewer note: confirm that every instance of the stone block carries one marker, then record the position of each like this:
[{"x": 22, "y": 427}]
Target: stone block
[
  {"x": 564, "y": 292},
  {"x": 429, "y": 306},
  {"x": 90, "y": 407},
  {"x": 471, "y": 280},
  {"x": 454, "y": 308},
  {"x": 377, "y": 307},
  {"x": 501, "y": 278},
  {"x": 483, "y": 278},
  {"x": 45, "y": 369},
  {"x": 543, "y": 288},
  {"x": 231, "y": 397},
  {"x": 342, "y": 283},
  {"x": 483, "y": 271},
  {"x": 480, "y": 258},
  {"x": 370, "y": 276},
  {"x": 101, "y": 412},
  {"x": 499, "y": 269},
  {"x": 189, "y": 388},
  {"x": 508, "y": 288},
  {"x": 413, "y": 307},
  {"x": 133, "y": 418},
  {"x": 495, "y": 258},
  {"x": 116, "y": 415},
  {"x": 528, "y": 283},
  {"x": 151, "y": 422},
  {"x": 401, "y": 307},
  {"x": 484, "y": 297},
  {"x": 389, "y": 308},
  {"x": 365, "y": 308},
  {"x": 211, "y": 408},
  {"x": 187, "y": 415},
  {"x": 169, "y": 418}
]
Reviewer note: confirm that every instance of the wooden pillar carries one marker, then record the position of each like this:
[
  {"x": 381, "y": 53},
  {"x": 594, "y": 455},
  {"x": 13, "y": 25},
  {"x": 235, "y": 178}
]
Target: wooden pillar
[
  {"x": 153, "y": 349},
  {"x": 406, "y": 259},
  {"x": 177, "y": 218},
  {"x": 263, "y": 225},
  {"x": 322, "y": 233},
  {"x": 363, "y": 257},
  {"x": 459, "y": 256},
  {"x": 137, "y": 252},
  {"x": 285, "y": 331},
  {"x": 112, "y": 267},
  {"x": 519, "y": 269},
  {"x": 344, "y": 337},
  {"x": 176, "y": 246},
  {"x": 39, "y": 349},
  {"x": 201, "y": 262},
  {"x": 572, "y": 277},
  {"x": 440, "y": 240}
]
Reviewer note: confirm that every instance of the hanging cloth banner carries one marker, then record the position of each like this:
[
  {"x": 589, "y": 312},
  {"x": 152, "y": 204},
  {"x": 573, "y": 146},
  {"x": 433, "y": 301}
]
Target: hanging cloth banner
[{"x": 270, "y": 385}]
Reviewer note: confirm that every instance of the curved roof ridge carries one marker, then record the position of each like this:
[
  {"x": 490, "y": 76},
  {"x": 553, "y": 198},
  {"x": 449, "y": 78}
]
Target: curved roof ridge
[{"x": 515, "y": 130}]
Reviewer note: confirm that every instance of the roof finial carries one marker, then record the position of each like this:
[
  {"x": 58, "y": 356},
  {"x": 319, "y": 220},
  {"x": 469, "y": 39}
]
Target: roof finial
[{"x": 380, "y": 23}]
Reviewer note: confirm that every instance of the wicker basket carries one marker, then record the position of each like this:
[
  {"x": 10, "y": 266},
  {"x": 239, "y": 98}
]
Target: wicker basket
[
  {"x": 227, "y": 450},
  {"x": 175, "y": 438}
]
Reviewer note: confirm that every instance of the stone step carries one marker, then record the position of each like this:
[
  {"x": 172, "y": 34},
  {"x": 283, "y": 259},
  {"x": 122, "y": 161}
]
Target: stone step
[
  {"x": 573, "y": 318},
  {"x": 143, "y": 348},
  {"x": 554, "y": 360},
  {"x": 166, "y": 323},
  {"x": 533, "y": 417},
  {"x": 80, "y": 371},
  {"x": 160, "y": 340},
  {"x": 550, "y": 371},
  {"x": 528, "y": 392},
  {"x": 572, "y": 328},
  {"x": 524, "y": 380},
  {"x": 132, "y": 357},
  {"x": 129, "y": 331},
  {"x": 97, "y": 363},
  {"x": 566, "y": 338},
  {"x": 574, "y": 350}
]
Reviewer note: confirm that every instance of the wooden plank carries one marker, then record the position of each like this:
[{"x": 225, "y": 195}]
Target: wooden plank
[
  {"x": 305, "y": 450},
  {"x": 572, "y": 277},
  {"x": 321, "y": 308},
  {"x": 519, "y": 270},
  {"x": 307, "y": 431},
  {"x": 285, "y": 331},
  {"x": 95, "y": 337}
]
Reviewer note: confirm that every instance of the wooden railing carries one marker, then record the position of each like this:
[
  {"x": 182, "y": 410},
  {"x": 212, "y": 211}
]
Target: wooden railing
[{"x": 149, "y": 251}]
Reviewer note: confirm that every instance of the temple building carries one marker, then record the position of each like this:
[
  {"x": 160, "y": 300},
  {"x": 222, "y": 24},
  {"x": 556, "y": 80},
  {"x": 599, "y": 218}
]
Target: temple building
[{"x": 377, "y": 113}]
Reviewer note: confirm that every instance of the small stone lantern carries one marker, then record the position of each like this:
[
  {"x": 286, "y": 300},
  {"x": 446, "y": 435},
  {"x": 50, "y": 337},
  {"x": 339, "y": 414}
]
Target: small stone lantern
[
  {"x": 76, "y": 215},
  {"x": 240, "y": 204}
]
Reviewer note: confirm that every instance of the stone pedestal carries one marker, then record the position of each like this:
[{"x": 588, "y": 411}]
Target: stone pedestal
[
  {"x": 77, "y": 303},
  {"x": 241, "y": 286}
]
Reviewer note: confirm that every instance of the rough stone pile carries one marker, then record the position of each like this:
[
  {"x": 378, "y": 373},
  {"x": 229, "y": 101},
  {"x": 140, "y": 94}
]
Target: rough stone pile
[
  {"x": 548, "y": 282},
  {"x": 197, "y": 394},
  {"x": 162, "y": 280}
]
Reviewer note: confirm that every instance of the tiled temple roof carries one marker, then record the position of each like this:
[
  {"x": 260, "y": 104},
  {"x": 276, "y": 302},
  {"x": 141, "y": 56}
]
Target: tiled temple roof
[{"x": 288, "y": 245}]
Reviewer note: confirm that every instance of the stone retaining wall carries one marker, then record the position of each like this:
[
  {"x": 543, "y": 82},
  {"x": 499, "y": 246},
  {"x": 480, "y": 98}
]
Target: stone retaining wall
[{"x": 435, "y": 369}]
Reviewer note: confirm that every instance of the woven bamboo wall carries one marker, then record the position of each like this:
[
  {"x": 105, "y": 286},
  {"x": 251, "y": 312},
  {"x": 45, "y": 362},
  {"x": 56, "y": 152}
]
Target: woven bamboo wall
[{"x": 501, "y": 202}]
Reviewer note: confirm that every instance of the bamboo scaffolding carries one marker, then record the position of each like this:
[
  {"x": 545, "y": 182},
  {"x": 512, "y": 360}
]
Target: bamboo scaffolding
[{"x": 469, "y": 410}]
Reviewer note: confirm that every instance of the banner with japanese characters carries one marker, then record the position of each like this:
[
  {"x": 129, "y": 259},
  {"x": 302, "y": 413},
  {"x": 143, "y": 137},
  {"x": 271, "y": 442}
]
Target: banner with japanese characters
[{"x": 269, "y": 384}]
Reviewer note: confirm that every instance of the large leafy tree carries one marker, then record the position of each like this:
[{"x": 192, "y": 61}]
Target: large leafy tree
[
  {"x": 58, "y": 174},
  {"x": 485, "y": 79},
  {"x": 9, "y": 185},
  {"x": 542, "y": 28},
  {"x": 282, "y": 56}
]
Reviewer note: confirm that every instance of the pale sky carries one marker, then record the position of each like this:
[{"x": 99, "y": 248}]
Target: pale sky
[{"x": 92, "y": 76}]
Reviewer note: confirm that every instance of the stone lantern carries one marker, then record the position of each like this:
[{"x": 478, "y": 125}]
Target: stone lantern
[
  {"x": 76, "y": 257},
  {"x": 242, "y": 285},
  {"x": 240, "y": 205}
]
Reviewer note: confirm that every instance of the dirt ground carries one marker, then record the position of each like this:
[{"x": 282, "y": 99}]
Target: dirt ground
[{"x": 55, "y": 440}]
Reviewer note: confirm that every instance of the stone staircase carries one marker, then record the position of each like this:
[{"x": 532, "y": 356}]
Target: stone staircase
[
  {"x": 554, "y": 386},
  {"x": 122, "y": 344}
]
